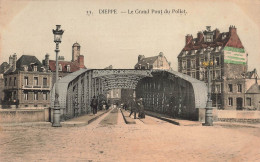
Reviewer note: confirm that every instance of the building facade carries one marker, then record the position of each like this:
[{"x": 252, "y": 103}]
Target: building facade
[
  {"x": 65, "y": 67},
  {"x": 27, "y": 83},
  {"x": 228, "y": 65},
  {"x": 155, "y": 62}
]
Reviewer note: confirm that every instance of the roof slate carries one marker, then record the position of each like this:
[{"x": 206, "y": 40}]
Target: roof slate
[{"x": 27, "y": 60}]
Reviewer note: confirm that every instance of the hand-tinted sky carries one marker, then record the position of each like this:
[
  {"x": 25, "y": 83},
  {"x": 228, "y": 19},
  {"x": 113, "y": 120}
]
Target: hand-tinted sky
[{"x": 26, "y": 28}]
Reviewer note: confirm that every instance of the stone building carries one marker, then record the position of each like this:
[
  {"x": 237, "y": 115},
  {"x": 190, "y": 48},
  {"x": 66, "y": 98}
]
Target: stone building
[
  {"x": 228, "y": 67},
  {"x": 65, "y": 67},
  {"x": 155, "y": 62},
  {"x": 27, "y": 83}
]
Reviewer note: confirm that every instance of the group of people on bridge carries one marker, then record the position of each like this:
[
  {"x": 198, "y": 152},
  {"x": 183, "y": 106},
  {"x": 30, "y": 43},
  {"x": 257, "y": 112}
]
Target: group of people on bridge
[
  {"x": 135, "y": 106},
  {"x": 95, "y": 104}
]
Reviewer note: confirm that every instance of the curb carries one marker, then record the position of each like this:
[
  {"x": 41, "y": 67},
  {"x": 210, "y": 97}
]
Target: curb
[
  {"x": 93, "y": 119},
  {"x": 127, "y": 121},
  {"x": 164, "y": 119},
  {"x": 79, "y": 124},
  {"x": 219, "y": 123}
]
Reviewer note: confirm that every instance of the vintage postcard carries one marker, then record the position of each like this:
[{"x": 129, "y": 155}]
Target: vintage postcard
[{"x": 156, "y": 80}]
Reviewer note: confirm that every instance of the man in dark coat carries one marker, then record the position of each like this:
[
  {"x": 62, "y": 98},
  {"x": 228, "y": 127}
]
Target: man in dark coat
[
  {"x": 140, "y": 106},
  {"x": 133, "y": 107},
  {"x": 94, "y": 104}
]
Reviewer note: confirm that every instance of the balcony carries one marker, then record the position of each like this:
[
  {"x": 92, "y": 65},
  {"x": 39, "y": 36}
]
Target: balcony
[{"x": 36, "y": 87}]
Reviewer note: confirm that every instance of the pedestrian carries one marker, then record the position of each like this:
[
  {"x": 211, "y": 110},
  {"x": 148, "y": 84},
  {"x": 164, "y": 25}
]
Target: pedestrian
[
  {"x": 94, "y": 104},
  {"x": 132, "y": 105},
  {"x": 140, "y": 106},
  {"x": 125, "y": 106}
]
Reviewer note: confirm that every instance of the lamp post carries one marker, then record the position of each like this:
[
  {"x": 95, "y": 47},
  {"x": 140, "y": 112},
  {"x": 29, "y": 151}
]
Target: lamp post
[
  {"x": 56, "y": 114},
  {"x": 208, "y": 113}
]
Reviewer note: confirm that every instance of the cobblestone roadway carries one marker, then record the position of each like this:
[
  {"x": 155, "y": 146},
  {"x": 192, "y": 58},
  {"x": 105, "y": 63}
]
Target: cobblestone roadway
[{"x": 152, "y": 140}]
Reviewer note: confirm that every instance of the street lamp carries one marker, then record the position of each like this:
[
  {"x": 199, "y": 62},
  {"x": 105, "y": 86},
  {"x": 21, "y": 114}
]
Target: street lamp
[
  {"x": 56, "y": 114},
  {"x": 208, "y": 113}
]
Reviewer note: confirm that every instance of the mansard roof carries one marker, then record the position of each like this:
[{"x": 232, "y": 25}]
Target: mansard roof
[
  {"x": 3, "y": 67},
  {"x": 229, "y": 39},
  {"x": 29, "y": 61},
  {"x": 147, "y": 60}
]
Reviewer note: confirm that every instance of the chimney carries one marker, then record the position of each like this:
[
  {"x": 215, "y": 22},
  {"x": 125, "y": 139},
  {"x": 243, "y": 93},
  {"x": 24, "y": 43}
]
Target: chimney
[
  {"x": 232, "y": 30},
  {"x": 11, "y": 60},
  {"x": 189, "y": 39},
  {"x": 161, "y": 54},
  {"x": 81, "y": 61},
  {"x": 217, "y": 32},
  {"x": 140, "y": 57},
  {"x": 200, "y": 37},
  {"x": 47, "y": 63},
  {"x": 14, "y": 61}
]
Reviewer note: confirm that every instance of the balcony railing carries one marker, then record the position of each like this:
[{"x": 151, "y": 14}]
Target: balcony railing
[{"x": 34, "y": 87}]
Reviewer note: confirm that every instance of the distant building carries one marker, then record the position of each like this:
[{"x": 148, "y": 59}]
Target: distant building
[
  {"x": 229, "y": 73},
  {"x": 3, "y": 68},
  {"x": 155, "y": 62},
  {"x": 27, "y": 83},
  {"x": 65, "y": 67}
]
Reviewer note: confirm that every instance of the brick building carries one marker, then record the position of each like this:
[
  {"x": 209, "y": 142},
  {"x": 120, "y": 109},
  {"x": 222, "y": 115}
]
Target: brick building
[
  {"x": 229, "y": 73},
  {"x": 27, "y": 83},
  {"x": 155, "y": 62},
  {"x": 65, "y": 67}
]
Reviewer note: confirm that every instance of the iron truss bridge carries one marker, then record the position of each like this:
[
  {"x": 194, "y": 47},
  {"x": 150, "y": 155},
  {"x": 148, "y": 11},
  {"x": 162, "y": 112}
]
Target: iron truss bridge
[{"x": 163, "y": 91}]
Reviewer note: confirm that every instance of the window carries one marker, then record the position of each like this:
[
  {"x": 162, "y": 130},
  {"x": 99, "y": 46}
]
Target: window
[
  {"x": 183, "y": 64},
  {"x": 218, "y": 90},
  {"x": 161, "y": 63},
  {"x": 193, "y": 64},
  {"x": 45, "y": 96},
  {"x": 239, "y": 87},
  {"x": 217, "y": 74},
  {"x": 14, "y": 81},
  {"x": 35, "y": 81},
  {"x": 202, "y": 75},
  {"x": 68, "y": 68},
  {"x": 248, "y": 101},
  {"x": 230, "y": 101},
  {"x": 60, "y": 67},
  {"x": 201, "y": 62},
  {"x": 44, "y": 81},
  {"x": 25, "y": 95},
  {"x": 34, "y": 68},
  {"x": 10, "y": 81},
  {"x": 193, "y": 75},
  {"x": 217, "y": 61},
  {"x": 26, "y": 80},
  {"x": 230, "y": 88},
  {"x": 35, "y": 96},
  {"x": 5, "y": 81},
  {"x": 25, "y": 68}
]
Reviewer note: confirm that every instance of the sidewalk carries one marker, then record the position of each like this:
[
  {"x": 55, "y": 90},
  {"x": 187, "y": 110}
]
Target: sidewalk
[
  {"x": 84, "y": 120},
  {"x": 78, "y": 121},
  {"x": 172, "y": 120},
  {"x": 182, "y": 122}
]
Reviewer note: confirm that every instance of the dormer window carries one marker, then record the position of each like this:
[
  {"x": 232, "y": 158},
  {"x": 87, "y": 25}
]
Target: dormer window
[
  {"x": 60, "y": 67},
  {"x": 209, "y": 38},
  {"x": 68, "y": 68},
  {"x": 25, "y": 68},
  {"x": 34, "y": 68}
]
